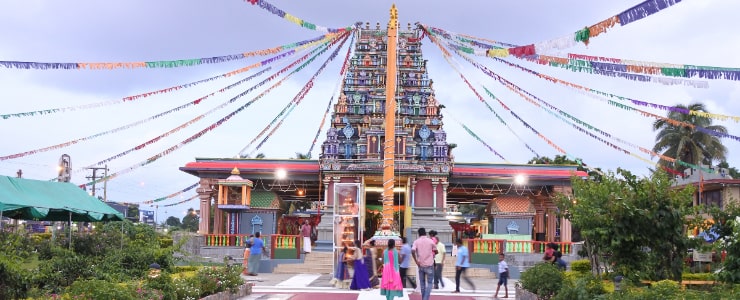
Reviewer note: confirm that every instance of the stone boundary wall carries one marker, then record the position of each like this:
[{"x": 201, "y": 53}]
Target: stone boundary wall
[{"x": 243, "y": 291}]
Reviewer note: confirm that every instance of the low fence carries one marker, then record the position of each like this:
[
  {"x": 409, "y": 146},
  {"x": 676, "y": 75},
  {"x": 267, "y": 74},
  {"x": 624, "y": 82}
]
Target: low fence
[
  {"x": 281, "y": 246},
  {"x": 485, "y": 251}
]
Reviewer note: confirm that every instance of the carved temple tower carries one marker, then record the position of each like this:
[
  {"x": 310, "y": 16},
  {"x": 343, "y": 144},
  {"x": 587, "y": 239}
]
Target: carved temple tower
[{"x": 353, "y": 152}]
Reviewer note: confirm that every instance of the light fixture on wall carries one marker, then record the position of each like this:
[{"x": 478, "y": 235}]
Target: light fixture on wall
[{"x": 300, "y": 192}]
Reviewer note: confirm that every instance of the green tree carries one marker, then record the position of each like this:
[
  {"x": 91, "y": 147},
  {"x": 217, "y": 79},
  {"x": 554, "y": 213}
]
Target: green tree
[
  {"x": 688, "y": 144},
  {"x": 190, "y": 220},
  {"x": 173, "y": 221},
  {"x": 299, "y": 155},
  {"x": 563, "y": 160},
  {"x": 638, "y": 223},
  {"x": 733, "y": 172}
]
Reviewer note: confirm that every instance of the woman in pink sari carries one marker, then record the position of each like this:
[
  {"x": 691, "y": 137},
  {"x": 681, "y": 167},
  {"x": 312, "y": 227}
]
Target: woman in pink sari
[{"x": 390, "y": 285}]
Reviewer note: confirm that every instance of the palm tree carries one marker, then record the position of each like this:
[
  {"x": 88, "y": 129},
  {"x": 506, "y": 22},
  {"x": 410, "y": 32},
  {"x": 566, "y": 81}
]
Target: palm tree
[
  {"x": 260, "y": 156},
  {"x": 689, "y": 144}
]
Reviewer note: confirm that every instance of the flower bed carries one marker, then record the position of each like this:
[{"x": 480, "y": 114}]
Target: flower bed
[{"x": 242, "y": 291}]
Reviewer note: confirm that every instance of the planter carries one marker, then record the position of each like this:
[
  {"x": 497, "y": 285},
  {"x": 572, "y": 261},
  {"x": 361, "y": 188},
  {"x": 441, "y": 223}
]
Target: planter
[{"x": 242, "y": 291}]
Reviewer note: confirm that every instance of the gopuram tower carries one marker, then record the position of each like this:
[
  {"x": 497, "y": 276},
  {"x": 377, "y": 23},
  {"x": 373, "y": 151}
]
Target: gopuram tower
[{"x": 385, "y": 162}]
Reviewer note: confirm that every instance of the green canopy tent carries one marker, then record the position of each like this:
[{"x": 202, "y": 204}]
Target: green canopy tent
[{"x": 51, "y": 201}]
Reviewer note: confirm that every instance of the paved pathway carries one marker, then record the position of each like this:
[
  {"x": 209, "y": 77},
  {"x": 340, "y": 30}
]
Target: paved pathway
[{"x": 317, "y": 287}]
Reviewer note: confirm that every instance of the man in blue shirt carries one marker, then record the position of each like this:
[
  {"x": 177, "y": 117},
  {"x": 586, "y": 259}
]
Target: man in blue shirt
[
  {"x": 462, "y": 264},
  {"x": 255, "y": 254},
  {"x": 405, "y": 263}
]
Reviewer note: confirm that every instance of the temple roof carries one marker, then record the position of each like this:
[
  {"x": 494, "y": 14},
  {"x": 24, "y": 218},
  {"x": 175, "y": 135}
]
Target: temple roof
[{"x": 264, "y": 200}]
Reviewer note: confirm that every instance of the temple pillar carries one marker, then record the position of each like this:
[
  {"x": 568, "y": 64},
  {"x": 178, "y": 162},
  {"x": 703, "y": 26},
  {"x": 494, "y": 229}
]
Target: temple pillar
[
  {"x": 539, "y": 224},
  {"x": 204, "y": 194},
  {"x": 445, "y": 185},
  {"x": 325, "y": 228},
  {"x": 565, "y": 230},
  {"x": 425, "y": 214},
  {"x": 435, "y": 183},
  {"x": 552, "y": 222}
]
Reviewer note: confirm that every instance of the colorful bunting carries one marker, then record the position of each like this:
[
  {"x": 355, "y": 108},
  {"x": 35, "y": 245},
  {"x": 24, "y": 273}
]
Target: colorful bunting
[
  {"x": 176, "y": 109},
  {"x": 216, "y": 124},
  {"x": 601, "y": 96},
  {"x": 293, "y": 19},
  {"x": 342, "y": 72},
  {"x": 303, "y": 45},
  {"x": 295, "y": 102},
  {"x": 175, "y": 194},
  {"x": 578, "y": 123},
  {"x": 183, "y": 201},
  {"x": 614, "y": 67},
  {"x": 152, "y": 64},
  {"x": 448, "y": 58}
]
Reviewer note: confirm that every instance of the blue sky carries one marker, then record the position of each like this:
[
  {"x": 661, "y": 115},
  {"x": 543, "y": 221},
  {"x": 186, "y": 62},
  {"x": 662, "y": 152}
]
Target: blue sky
[{"x": 690, "y": 32}]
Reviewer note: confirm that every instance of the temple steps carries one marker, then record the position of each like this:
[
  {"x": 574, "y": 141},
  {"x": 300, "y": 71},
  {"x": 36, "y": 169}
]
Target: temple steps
[{"x": 314, "y": 263}]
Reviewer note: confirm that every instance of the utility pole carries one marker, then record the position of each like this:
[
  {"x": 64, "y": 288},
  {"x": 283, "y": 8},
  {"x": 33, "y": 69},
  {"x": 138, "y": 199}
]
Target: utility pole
[{"x": 94, "y": 177}]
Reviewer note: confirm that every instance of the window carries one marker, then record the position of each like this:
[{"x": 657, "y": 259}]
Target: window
[{"x": 710, "y": 198}]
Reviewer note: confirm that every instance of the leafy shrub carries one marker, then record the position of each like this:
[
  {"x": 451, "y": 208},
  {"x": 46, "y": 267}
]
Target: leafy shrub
[
  {"x": 581, "y": 266},
  {"x": 213, "y": 280},
  {"x": 165, "y": 242},
  {"x": 698, "y": 276},
  {"x": 187, "y": 288},
  {"x": 585, "y": 286},
  {"x": 14, "y": 281},
  {"x": 543, "y": 279},
  {"x": 664, "y": 289},
  {"x": 64, "y": 268},
  {"x": 99, "y": 289},
  {"x": 162, "y": 284},
  {"x": 179, "y": 269}
]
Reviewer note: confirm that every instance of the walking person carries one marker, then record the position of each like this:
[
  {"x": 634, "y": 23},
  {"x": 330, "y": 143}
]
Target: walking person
[
  {"x": 423, "y": 253},
  {"x": 405, "y": 257},
  {"x": 306, "y": 234},
  {"x": 360, "y": 280},
  {"x": 439, "y": 260},
  {"x": 255, "y": 254},
  {"x": 461, "y": 265},
  {"x": 390, "y": 285},
  {"x": 341, "y": 278},
  {"x": 503, "y": 276},
  {"x": 245, "y": 256}
]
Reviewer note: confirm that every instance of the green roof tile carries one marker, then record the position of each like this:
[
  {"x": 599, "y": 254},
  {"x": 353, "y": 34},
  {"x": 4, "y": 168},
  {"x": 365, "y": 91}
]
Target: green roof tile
[{"x": 265, "y": 200}]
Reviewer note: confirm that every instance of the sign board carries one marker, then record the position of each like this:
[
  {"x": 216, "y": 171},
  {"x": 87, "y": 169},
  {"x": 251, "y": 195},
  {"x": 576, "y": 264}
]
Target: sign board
[
  {"x": 703, "y": 256},
  {"x": 146, "y": 216}
]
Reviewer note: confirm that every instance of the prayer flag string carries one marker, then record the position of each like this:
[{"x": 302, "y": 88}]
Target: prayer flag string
[
  {"x": 212, "y": 126},
  {"x": 152, "y": 64},
  {"x": 295, "y": 102},
  {"x": 600, "y": 96},
  {"x": 173, "y": 195},
  {"x": 552, "y": 109},
  {"x": 293, "y": 19},
  {"x": 342, "y": 72},
  {"x": 449, "y": 60},
  {"x": 312, "y": 43},
  {"x": 157, "y": 116},
  {"x": 183, "y": 201}
]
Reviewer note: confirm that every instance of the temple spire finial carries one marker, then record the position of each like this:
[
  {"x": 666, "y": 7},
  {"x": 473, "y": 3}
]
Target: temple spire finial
[{"x": 235, "y": 171}]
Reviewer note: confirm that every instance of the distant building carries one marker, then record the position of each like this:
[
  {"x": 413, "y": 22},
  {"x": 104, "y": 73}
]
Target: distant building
[{"x": 716, "y": 188}]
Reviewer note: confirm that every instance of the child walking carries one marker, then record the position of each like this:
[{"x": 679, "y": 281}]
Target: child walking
[{"x": 503, "y": 276}]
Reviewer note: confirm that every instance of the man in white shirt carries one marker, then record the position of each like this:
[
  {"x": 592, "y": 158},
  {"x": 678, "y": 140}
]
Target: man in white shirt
[{"x": 439, "y": 260}]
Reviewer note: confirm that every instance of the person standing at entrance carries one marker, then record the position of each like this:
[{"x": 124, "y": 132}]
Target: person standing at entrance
[
  {"x": 423, "y": 253},
  {"x": 462, "y": 264},
  {"x": 306, "y": 234},
  {"x": 255, "y": 254},
  {"x": 405, "y": 263}
]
